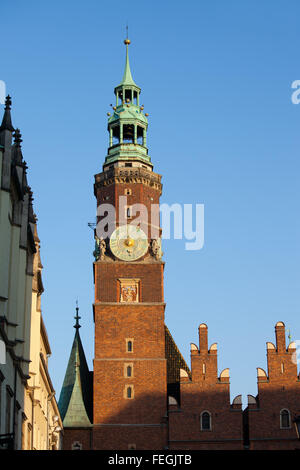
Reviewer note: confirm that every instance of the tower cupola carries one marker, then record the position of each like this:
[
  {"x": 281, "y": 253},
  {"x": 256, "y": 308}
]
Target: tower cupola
[{"x": 127, "y": 125}]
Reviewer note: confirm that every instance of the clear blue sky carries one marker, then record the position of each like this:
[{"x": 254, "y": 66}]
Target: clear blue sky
[{"x": 216, "y": 81}]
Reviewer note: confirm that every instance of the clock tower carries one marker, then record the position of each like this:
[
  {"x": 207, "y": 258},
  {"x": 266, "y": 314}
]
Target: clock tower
[
  {"x": 130, "y": 365},
  {"x": 143, "y": 394}
]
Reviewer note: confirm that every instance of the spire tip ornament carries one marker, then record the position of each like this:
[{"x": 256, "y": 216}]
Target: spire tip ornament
[
  {"x": 8, "y": 102},
  {"x": 77, "y": 317},
  {"x": 127, "y": 41},
  {"x": 6, "y": 121}
]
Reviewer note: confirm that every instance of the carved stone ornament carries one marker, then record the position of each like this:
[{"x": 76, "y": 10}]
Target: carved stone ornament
[
  {"x": 155, "y": 248},
  {"x": 129, "y": 290},
  {"x": 100, "y": 249}
]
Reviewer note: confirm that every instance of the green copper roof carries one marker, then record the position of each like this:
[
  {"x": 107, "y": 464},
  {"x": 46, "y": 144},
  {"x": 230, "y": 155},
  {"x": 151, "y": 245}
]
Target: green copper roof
[
  {"x": 129, "y": 114},
  {"x": 75, "y": 401}
]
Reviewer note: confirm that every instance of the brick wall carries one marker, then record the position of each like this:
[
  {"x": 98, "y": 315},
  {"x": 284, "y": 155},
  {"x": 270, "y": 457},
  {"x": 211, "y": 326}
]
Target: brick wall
[
  {"x": 80, "y": 435},
  {"x": 206, "y": 392},
  {"x": 278, "y": 389}
]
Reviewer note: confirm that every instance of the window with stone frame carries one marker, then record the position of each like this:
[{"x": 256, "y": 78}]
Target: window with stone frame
[
  {"x": 29, "y": 436},
  {"x": 205, "y": 421},
  {"x": 129, "y": 392},
  {"x": 285, "y": 419},
  {"x": 8, "y": 411},
  {"x": 128, "y": 370},
  {"x": 129, "y": 345},
  {"x": 1, "y": 393}
]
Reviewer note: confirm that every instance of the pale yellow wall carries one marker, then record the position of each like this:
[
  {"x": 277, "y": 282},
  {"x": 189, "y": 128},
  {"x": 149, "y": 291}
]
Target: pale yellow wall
[{"x": 40, "y": 390}]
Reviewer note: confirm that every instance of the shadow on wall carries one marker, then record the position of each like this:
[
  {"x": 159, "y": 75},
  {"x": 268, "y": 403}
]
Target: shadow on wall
[{"x": 262, "y": 425}]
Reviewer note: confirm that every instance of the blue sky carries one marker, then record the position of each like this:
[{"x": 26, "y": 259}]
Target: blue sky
[{"x": 216, "y": 81}]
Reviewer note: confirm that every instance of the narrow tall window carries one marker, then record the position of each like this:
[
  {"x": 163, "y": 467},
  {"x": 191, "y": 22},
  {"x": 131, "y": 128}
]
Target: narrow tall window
[
  {"x": 129, "y": 346},
  {"x": 23, "y": 432},
  {"x": 128, "y": 369},
  {"x": 8, "y": 424},
  {"x": 16, "y": 424},
  {"x": 116, "y": 135},
  {"x": 129, "y": 392},
  {"x": 1, "y": 388},
  {"x": 205, "y": 421},
  {"x": 140, "y": 135},
  {"x": 285, "y": 421},
  {"x": 29, "y": 428}
]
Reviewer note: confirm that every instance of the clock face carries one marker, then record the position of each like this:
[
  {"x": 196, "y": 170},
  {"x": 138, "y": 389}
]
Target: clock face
[{"x": 128, "y": 242}]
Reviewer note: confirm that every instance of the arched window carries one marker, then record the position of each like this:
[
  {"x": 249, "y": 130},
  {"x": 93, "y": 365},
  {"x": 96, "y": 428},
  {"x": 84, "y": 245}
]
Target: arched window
[
  {"x": 285, "y": 419},
  {"x": 129, "y": 371},
  {"x": 205, "y": 421},
  {"x": 129, "y": 392},
  {"x": 129, "y": 346}
]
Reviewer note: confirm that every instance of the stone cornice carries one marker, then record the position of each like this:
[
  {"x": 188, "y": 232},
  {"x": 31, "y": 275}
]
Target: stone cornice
[{"x": 128, "y": 175}]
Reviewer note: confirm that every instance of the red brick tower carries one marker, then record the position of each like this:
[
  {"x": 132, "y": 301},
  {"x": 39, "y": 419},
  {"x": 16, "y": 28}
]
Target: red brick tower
[{"x": 130, "y": 370}]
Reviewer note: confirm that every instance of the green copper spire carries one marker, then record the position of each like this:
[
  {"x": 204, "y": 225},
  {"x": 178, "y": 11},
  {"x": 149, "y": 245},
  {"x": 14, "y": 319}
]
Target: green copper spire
[
  {"x": 127, "y": 77},
  {"x": 76, "y": 414},
  {"x": 75, "y": 401}
]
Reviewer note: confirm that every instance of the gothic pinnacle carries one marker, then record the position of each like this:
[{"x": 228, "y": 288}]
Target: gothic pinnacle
[
  {"x": 6, "y": 121},
  {"x": 17, "y": 138}
]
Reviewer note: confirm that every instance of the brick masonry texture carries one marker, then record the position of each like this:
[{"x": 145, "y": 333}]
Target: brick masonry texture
[
  {"x": 165, "y": 410},
  {"x": 107, "y": 284},
  {"x": 277, "y": 390}
]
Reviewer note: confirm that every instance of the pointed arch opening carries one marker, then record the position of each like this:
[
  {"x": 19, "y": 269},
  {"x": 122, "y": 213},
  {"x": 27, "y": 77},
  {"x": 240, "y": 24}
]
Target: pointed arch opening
[
  {"x": 285, "y": 419},
  {"x": 205, "y": 421}
]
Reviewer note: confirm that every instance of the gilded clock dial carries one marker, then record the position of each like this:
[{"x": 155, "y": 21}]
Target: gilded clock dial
[{"x": 129, "y": 242}]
